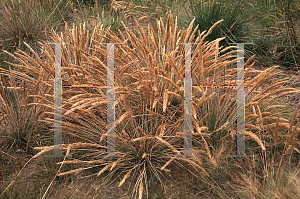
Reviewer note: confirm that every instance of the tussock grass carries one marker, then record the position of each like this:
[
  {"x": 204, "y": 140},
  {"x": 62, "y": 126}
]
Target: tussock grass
[{"x": 149, "y": 80}]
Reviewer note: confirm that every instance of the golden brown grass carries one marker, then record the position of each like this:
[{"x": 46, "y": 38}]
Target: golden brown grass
[{"x": 149, "y": 83}]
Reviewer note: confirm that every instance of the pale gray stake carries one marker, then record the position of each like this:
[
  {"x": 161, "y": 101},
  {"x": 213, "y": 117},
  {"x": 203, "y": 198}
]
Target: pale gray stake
[
  {"x": 111, "y": 116},
  {"x": 187, "y": 104},
  {"x": 240, "y": 137},
  {"x": 57, "y": 104}
]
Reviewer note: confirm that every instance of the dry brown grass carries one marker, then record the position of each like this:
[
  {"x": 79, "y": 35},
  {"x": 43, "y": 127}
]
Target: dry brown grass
[{"x": 149, "y": 102}]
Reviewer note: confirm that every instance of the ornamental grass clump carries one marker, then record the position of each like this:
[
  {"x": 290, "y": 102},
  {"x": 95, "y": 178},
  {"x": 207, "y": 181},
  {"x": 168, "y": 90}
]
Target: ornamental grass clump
[
  {"x": 19, "y": 23},
  {"x": 20, "y": 128},
  {"x": 149, "y": 103}
]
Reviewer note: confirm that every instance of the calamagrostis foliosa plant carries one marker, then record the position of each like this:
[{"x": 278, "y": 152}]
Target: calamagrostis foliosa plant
[
  {"x": 149, "y": 88},
  {"x": 19, "y": 23},
  {"x": 19, "y": 124}
]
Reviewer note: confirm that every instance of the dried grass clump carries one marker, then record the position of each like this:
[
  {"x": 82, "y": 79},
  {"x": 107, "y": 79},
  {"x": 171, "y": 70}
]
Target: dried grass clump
[
  {"x": 19, "y": 120},
  {"x": 149, "y": 80}
]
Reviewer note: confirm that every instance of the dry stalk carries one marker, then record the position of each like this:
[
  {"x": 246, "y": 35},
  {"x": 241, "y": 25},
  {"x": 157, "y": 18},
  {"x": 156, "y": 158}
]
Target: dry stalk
[
  {"x": 249, "y": 133},
  {"x": 127, "y": 175}
]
